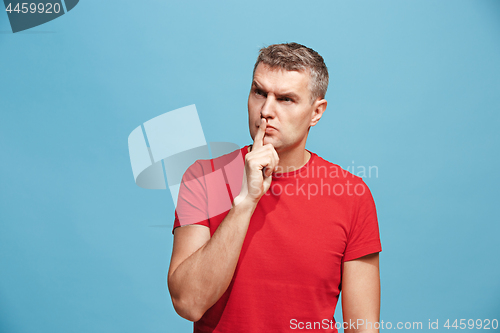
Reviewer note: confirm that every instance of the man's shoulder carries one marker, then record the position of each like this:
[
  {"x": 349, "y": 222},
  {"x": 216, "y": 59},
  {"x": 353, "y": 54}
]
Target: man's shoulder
[
  {"x": 222, "y": 159},
  {"x": 327, "y": 169}
]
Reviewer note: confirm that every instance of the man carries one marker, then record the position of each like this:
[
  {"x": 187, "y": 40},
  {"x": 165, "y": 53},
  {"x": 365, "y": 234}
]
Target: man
[{"x": 298, "y": 230}]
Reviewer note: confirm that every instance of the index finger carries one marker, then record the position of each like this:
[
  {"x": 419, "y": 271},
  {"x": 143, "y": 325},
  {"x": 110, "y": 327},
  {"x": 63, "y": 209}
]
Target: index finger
[{"x": 259, "y": 137}]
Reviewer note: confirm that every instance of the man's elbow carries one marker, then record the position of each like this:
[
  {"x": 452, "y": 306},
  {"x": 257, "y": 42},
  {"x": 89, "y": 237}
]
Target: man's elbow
[
  {"x": 187, "y": 302},
  {"x": 187, "y": 310}
]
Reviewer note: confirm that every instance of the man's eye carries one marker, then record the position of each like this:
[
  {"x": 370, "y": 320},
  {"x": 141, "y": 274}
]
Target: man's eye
[
  {"x": 286, "y": 99},
  {"x": 260, "y": 93}
]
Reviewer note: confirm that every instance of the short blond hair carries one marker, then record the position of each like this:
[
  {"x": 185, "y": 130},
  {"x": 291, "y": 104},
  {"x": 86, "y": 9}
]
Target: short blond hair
[{"x": 297, "y": 57}]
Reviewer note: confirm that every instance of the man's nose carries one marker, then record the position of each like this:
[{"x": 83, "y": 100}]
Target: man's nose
[{"x": 269, "y": 107}]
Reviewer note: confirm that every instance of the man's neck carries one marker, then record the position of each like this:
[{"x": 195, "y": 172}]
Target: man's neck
[{"x": 291, "y": 160}]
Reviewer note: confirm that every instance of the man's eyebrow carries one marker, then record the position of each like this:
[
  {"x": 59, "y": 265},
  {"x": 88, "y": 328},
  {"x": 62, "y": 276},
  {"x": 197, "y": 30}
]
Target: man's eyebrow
[
  {"x": 254, "y": 83},
  {"x": 289, "y": 94}
]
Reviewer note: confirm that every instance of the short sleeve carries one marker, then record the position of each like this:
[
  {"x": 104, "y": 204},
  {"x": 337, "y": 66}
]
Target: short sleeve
[
  {"x": 192, "y": 206},
  {"x": 364, "y": 237},
  {"x": 206, "y": 190}
]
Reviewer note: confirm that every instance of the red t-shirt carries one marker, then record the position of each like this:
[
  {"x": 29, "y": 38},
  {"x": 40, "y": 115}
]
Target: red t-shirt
[{"x": 289, "y": 272}]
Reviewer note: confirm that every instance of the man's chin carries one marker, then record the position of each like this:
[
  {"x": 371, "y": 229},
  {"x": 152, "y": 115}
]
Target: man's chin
[
  {"x": 268, "y": 140},
  {"x": 278, "y": 146}
]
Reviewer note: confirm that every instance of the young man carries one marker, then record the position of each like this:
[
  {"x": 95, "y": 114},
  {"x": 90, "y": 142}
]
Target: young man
[{"x": 298, "y": 229}]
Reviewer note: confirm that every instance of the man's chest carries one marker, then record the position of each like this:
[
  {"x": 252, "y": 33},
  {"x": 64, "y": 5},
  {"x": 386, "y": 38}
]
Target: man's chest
[{"x": 291, "y": 237}]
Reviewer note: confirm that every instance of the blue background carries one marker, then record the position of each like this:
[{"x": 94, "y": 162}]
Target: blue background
[{"x": 415, "y": 91}]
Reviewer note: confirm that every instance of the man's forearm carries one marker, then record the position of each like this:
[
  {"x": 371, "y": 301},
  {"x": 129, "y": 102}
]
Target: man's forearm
[
  {"x": 361, "y": 293},
  {"x": 200, "y": 280}
]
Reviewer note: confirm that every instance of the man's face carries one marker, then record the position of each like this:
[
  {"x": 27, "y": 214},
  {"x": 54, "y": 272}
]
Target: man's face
[{"x": 282, "y": 98}]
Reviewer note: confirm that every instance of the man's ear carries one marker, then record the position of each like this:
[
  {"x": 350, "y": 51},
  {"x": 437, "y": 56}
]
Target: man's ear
[{"x": 319, "y": 108}]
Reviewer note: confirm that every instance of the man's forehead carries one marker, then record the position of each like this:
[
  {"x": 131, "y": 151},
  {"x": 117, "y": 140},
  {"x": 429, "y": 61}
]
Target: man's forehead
[{"x": 280, "y": 78}]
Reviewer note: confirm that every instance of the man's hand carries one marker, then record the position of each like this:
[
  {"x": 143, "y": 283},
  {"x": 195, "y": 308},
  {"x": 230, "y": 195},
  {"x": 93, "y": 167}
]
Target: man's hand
[{"x": 259, "y": 166}]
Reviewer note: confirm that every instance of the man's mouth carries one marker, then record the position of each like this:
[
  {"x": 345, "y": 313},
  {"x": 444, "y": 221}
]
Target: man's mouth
[
  {"x": 268, "y": 127},
  {"x": 270, "y": 131}
]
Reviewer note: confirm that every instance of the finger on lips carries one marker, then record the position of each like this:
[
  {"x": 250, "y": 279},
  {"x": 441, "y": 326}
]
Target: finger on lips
[
  {"x": 259, "y": 137},
  {"x": 270, "y": 167}
]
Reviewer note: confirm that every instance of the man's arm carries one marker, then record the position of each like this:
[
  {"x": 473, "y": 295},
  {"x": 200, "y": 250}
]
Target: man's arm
[
  {"x": 361, "y": 293},
  {"x": 202, "y": 267}
]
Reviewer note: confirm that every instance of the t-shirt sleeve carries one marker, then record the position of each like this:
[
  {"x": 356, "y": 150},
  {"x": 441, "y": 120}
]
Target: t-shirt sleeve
[
  {"x": 192, "y": 206},
  {"x": 364, "y": 237}
]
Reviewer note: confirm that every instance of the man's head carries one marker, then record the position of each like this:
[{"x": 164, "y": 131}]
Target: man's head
[
  {"x": 297, "y": 57},
  {"x": 288, "y": 90}
]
